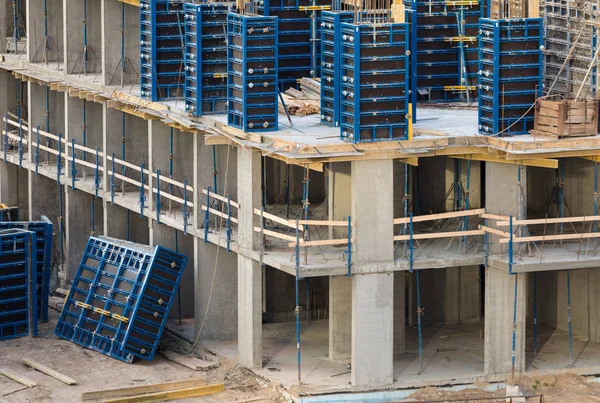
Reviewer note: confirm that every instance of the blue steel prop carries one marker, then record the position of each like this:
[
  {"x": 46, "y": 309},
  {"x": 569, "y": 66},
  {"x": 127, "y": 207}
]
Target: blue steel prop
[{"x": 121, "y": 298}]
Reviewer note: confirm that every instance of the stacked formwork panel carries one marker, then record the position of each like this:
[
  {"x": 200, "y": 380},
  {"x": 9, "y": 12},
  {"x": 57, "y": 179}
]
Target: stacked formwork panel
[
  {"x": 444, "y": 43},
  {"x": 299, "y": 51},
  {"x": 252, "y": 72},
  {"x": 121, "y": 298},
  {"x": 330, "y": 64},
  {"x": 374, "y": 86},
  {"x": 206, "y": 57},
  {"x": 570, "y": 31},
  {"x": 510, "y": 71},
  {"x": 43, "y": 231},
  {"x": 18, "y": 305},
  {"x": 161, "y": 45}
]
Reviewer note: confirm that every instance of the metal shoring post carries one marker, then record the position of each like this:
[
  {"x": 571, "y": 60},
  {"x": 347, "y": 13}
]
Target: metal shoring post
[
  {"x": 84, "y": 133},
  {"x": 185, "y": 207},
  {"x": 112, "y": 181},
  {"x": 535, "y": 280},
  {"x": 306, "y": 237},
  {"x": 263, "y": 182},
  {"x": 73, "y": 165},
  {"x": 298, "y": 309},
  {"x": 142, "y": 195},
  {"x": 93, "y": 217},
  {"x": 467, "y": 191},
  {"x": 5, "y": 138},
  {"x": 178, "y": 285},
  {"x": 405, "y": 203},
  {"x": 97, "y": 172},
  {"x": 37, "y": 149},
  {"x": 58, "y": 161},
  {"x": 214, "y": 154},
  {"x": 20, "y": 139},
  {"x": 228, "y": 224},
  {"x": 206, "y": 215},
  {"x": 287, "y": 190},
  {"x": 170, "y": 166},
  {"x": 561, "y": 193},
  {"x": 158, "y": 203},
  {"x": 570, "y": 322},
  {"x": 349, "y": 246}
]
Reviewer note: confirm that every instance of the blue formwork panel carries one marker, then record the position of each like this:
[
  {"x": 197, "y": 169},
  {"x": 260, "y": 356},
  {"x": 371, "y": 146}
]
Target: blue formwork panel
[
  {"x": 510, "y": 74},
  {"x": 18, "y": 305},
  {"x": 299, "y": 52},
  {"x": 161, "y": 49},
  {"x": 445, "y": 48},
  {"x": 252, "y": 72},
  {"x": 206, "y": 57},
  {"x": 330, "y": 64},
  {"x": 43, "y": 252},
  {"x": 9, "y": 214},
  {"x": 374, "y": 82},
  {"x": 121, "y": 298}
]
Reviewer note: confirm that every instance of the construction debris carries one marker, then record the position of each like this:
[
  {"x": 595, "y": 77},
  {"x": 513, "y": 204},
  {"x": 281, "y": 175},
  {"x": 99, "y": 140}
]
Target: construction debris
[
  {"x": 172, "y": 394},
  {"x": 17, "y": 377},
  {"x": 189, "y": 361},
  {"x": 304, "y": 102}
]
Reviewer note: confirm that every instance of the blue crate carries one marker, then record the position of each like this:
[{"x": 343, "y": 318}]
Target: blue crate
[
  {"x": 18, "y": 300},
  {"x": 161, "y": 49},
  {"x": 510, "y": 74},
  {"x": 374, "y": 74},
  {"x": 206, "y": 57},
  {"x": 44, "y": 231},
  {"x": 437, "y": 62},
  {"x": 9, "y": 214},
  {"x": 121, "y": 297},
  {"x": 252, "y": 72},
  {"x": 330, "y": 65}
]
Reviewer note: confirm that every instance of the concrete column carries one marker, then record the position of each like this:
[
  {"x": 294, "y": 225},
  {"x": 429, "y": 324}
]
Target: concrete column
[
  {"x": 78, "y": 226},
  {"x": 399, "y": 313},
  {"x": 499, "y": 321},
  {"x": 14, "y": 187},
  {"x": 372, "y": 329},
  {"x": 120, "y": 66},
  {"x": 373, "y": 294},
  {"x": 249, "y": 271},
  {"x": 8, "y": 90},
  {"x": 340, "y": 317},
  {"x": 339, "y": 199}
]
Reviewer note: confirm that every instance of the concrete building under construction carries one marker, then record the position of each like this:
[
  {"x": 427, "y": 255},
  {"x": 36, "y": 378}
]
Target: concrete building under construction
[{"x": 435, "y": 222}]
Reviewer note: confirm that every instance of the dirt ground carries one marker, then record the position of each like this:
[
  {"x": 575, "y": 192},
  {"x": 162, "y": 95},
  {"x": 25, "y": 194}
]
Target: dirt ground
[{"x": 94, "y": 371}]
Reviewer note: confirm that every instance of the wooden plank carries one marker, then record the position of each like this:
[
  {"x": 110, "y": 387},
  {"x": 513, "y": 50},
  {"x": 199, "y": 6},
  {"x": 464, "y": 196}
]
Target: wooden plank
[
  {"x": 494, "y": 231},
  {"x": 285, "y": 237},
  {"x": 324, "y": 242},
  {"x": 17, "y": 377},
  {"x": 494, "y": 216},
  {"x": 219, "y": 213},
  {"x": 142, "y": 389},
  {"x": 545, "y": 238},
  {"x": 221, "y": 198},
  {"x": 325, "y": 223},
  {"x": 431, "y": 217},
  {"x": 188, "y": 361},
  {"x": 437, "y": 235},
  {"x": 171, "y": 395},
  {"x": 538, "y": 221},
  {"x": 49, "y": 371},
  {"x": 277, "y": 219}
]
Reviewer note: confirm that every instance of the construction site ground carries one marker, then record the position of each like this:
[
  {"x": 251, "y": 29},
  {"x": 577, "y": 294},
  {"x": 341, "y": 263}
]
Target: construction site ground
[{"x": 94, "y": 371}]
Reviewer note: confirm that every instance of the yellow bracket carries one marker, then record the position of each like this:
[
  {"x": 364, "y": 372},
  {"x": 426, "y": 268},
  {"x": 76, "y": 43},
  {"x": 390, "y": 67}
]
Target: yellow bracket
[
  {"x": 131, "y": 2},
  {"x": 409, "y": 118},
  {"x": 119, "y": 317},
  {"x": 82, "y": 305},
  {"x": 220, "y": 75},
  {"x": 314, "y": 8},
  {"x": 459, "y": 88},
  {"x": 471, "y": 39},
  {"x": 462, "y": 3}
]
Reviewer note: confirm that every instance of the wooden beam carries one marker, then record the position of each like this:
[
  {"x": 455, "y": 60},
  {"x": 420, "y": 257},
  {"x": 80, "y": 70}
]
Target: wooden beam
[
  {"x": 431, "y": 217},
  {"x": 49, "y": 371},
  {"x": 171, "y": 395},
  {"x": 437, "y": 235},
  {"x": 279, "y": 220},
  {"x": 537, "y": 221},
  {"x": 143, "y": 389},
  {"x": 189, "y": 361},
  {"x": 587, "y": 235},
  {"x": 135, "y": 3},
  {"x": 17, "y": 377},
  {"x": 534, "y": 162},
  {"x": 216, "y": 140}
]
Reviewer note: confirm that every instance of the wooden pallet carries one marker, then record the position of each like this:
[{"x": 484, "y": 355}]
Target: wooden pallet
[{"x": 566, "y": 118}]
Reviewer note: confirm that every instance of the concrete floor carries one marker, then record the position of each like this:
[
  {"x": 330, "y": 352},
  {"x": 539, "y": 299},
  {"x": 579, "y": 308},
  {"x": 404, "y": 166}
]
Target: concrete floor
[{"x": 460, "y": 357}]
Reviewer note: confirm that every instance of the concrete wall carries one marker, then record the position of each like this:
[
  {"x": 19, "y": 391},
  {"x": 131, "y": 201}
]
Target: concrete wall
[
  {"x": 117, "y": 225},
  {"x": 451, "y": 295},
  {"x": 74, "y": 17},
  {"x": 540, "y": 184},
  {"x": 116, "y": 70},
  {"x": 35, "y": 31}
]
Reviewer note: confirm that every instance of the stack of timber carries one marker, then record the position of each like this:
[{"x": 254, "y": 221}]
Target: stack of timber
[
  {"x": 304, "y": 102},
  {"x": 566, "y": 118}
]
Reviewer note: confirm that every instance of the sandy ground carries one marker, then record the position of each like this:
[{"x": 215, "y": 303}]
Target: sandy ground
[{"x": 94, "y": 371}]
